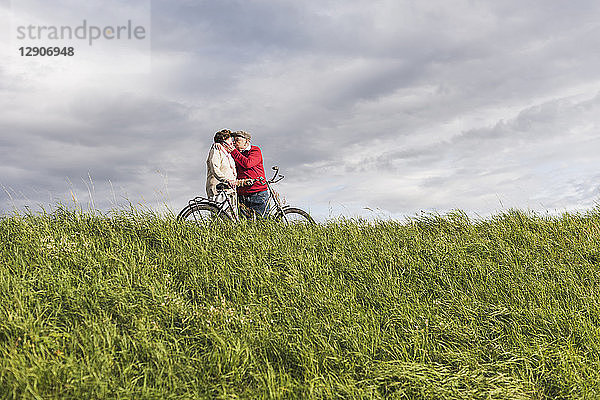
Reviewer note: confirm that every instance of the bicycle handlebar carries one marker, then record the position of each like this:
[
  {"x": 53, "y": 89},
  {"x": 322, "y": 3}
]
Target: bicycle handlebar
[{"x": 276, "y": 169}]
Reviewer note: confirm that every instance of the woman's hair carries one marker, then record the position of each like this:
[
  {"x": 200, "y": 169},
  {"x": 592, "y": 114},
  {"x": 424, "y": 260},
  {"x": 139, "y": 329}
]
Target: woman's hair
[{"x": 222, "y": 135}]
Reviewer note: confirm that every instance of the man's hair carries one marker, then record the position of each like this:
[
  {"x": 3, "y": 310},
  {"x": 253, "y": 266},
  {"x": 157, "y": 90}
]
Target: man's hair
[
  {"x": 242, "y": 134},
  {"x": 222, "y": 135}
]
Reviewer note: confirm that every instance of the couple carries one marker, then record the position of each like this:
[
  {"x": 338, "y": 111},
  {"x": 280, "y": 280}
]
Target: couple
[{"x": 234, "y": 160}]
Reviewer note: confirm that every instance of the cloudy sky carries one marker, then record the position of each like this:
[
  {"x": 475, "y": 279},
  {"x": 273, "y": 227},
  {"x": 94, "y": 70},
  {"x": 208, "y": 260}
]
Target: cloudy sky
[{"x": 377, "y": 108}]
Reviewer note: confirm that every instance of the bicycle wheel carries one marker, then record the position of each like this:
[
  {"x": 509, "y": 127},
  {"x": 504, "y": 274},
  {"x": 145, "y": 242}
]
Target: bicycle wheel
[
  {"x": 292, "y": 215},
  {"x": 202, "y": 214}
]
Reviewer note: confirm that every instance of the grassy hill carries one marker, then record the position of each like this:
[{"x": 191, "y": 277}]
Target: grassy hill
[{"x": 136, "y": 306}]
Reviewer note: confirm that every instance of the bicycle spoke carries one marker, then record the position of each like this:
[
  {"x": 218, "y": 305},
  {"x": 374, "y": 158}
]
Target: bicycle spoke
[{"x": 201, "y": 214}]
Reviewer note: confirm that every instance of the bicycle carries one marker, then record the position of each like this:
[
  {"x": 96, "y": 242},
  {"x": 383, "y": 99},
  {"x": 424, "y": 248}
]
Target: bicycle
[{"x": 202, "y": 210}]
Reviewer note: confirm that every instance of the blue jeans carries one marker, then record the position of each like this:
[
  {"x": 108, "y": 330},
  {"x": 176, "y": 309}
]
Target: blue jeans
[{"x": 259, "y": 202}]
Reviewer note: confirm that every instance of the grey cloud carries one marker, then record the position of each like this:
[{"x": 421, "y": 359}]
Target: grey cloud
[
  {"x": 418, "y": 156},
  {"x": 533, "y": 126},
  {"x": 242, "y": 28},
  {"x": 126, "y": 119},
  {"x": 538, "y": 123},
  {"x": 122, "y": 138},
  {"x": 339, "y": 94},
  {"x": 519, "y": 162},
  {"x": 472, "y": 79}
]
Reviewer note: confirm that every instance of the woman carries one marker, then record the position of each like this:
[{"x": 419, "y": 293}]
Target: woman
[{"x": 220, "y": 167}]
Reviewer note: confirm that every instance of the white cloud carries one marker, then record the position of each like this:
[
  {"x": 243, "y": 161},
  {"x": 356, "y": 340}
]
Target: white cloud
[{"x": 392, "y": 105}]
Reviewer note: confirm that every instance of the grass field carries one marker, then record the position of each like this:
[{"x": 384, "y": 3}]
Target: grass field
[{"x": 137, "y": 306}]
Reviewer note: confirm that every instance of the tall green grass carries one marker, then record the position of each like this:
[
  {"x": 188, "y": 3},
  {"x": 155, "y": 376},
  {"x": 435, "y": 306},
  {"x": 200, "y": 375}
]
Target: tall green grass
[{"x": 137, "y": 306}]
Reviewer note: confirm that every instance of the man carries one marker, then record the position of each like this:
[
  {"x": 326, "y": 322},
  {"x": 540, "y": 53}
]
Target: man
[{"x": 249, "y": 165}]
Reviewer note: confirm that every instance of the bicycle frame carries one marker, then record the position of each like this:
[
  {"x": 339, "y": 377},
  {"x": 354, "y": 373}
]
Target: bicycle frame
[
  {"x": 233, "y": 211},
  {"x": 274, "y": 197}
]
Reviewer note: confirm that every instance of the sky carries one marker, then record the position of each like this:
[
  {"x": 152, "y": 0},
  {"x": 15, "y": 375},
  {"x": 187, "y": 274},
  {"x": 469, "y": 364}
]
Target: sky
[{"x": 377, "y": 109}]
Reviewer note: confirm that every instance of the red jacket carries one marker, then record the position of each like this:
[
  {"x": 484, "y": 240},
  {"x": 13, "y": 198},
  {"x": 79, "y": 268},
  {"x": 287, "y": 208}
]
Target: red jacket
[{"x": 249, "y": 165}]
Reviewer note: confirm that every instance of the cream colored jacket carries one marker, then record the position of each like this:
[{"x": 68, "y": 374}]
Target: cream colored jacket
[{"x": 220, "y": 167}]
